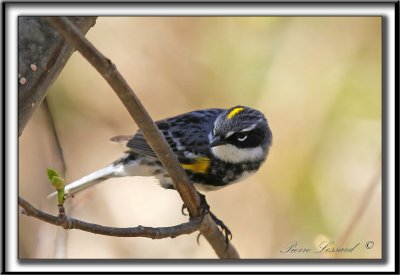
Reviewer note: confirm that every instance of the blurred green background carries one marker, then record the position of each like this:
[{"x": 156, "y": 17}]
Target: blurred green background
[{"x": 317, "y": 80}]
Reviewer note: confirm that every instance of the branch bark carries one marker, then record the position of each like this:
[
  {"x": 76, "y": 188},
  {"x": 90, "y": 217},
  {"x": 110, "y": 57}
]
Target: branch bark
[
  {"x": 150, "y": 131},
  {"x": 139, "y": 231},
  {"x": 42, "y": 54}
]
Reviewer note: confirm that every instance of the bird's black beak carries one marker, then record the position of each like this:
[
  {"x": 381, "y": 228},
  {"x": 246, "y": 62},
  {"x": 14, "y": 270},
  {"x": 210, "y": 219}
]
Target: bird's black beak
[{"x": 216, "y": 141}]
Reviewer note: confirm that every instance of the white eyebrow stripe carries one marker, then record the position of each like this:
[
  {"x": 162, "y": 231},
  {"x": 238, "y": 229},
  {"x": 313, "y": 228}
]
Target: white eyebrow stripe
[
  {"x": 229, "y": 134},
  {"x": 248, "y": 129}
]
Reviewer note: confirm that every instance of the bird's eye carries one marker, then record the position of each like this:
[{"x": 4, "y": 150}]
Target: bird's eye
[{"x": 241, "y": 136}]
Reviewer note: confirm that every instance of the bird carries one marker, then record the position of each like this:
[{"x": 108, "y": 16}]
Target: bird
[{"x": 216, "y": 147}]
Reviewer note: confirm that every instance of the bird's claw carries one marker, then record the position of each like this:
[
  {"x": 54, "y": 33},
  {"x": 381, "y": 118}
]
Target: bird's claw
[
  {"x": 225, "y": 230},
  {"x": 183, "y": 210},
  {"x": 205, "y": 209}
]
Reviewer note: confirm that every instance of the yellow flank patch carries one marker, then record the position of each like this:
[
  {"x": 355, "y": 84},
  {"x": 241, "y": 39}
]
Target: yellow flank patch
[
  {"x": 200, "y": 166},
  {"x": 234, "y": 112}
]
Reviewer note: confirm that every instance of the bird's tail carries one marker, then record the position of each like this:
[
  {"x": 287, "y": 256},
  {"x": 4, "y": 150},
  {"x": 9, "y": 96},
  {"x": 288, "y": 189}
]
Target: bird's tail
[{"x": 112, "y": 170}]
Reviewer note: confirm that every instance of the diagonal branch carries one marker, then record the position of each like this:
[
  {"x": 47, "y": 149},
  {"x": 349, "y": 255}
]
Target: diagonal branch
[
  {"x": 150, "y": 131},
  {"x": 132, "y": 103},
  {"x": 139, "y": 231}
]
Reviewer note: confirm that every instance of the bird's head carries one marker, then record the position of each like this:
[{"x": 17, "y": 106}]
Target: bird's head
[{"x": 240, "y": 134}]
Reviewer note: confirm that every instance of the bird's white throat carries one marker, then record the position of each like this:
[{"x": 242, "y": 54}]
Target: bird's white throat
[{"x": 233, "y": 154}]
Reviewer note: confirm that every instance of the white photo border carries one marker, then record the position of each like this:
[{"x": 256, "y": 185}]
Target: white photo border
[{"x": 11, "y": 11}]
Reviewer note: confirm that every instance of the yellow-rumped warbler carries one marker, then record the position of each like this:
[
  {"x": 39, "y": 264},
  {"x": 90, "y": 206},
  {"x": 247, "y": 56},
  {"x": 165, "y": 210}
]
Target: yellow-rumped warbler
[{"x": 216, "y": 147}]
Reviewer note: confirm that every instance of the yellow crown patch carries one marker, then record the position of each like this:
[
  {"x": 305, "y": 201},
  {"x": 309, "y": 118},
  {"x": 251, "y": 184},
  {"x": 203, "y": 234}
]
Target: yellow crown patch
[{"x": 234, "y": 112}]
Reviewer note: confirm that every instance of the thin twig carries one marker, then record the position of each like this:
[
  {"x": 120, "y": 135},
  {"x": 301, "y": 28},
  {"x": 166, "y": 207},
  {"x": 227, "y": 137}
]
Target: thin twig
[
  {"x": 61, "y": 237},
  {"x": 150, "y": 131},
  {"x": 139, "y": 231},
  {"x": 53, "y": 128}
]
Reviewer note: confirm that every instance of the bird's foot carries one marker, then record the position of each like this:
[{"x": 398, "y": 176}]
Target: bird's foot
[
  {"x": 205, "y": 209},
  {"x": 225, "y": 230}
]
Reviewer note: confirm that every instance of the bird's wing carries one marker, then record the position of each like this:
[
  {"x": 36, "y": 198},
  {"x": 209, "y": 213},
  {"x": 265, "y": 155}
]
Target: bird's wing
[{"x": 187, "y": 134}]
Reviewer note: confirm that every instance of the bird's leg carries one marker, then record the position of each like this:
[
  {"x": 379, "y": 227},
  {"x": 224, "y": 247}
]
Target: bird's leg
[{"x": 205, "y": 209}]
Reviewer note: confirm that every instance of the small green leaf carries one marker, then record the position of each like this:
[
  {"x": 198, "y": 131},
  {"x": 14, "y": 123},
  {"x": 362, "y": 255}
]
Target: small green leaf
[
  {"x": 58, "y": 183},
  {"x": 51, "y": 173}
]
